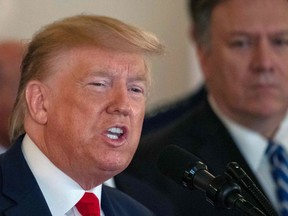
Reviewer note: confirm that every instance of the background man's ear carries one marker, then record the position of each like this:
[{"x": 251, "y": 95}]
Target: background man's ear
[{"x": 201, "y": 52}]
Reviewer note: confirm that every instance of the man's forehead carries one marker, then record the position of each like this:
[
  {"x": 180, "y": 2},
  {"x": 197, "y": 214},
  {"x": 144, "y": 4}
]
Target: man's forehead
[
  {"x": 92, "y": 62},
  {"x": 256, "y": 15}
]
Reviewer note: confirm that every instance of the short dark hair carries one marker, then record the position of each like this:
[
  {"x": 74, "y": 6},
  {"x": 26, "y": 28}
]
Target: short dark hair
[{"x": 200, "y": 12}]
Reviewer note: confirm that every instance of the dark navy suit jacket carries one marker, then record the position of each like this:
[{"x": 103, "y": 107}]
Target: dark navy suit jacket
[
  {"x": 20, "y": 194},
  {"x": 199, "y": 132}
]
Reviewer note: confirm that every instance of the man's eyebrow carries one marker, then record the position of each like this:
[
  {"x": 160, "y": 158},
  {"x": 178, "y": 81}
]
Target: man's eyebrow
[
  {"x": 280, "y": 33},
  {"x": 248, "y": 33},
  {"x": 101, "y": 73},
  {"x": 239, "y": 34},
  {"x": 139, "y": 78},
  {"x": 133, "y": 78}
]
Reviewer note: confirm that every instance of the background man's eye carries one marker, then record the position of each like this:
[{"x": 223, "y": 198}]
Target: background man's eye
[
  {"x": 240, "y": 43},
  {"x": 280, "y": 42}
]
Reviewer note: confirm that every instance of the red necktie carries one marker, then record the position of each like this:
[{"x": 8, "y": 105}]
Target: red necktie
[{"x": 88, "y": 205}]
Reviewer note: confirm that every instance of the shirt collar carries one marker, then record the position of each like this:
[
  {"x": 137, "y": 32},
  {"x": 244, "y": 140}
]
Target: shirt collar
[
  {"x": 60, "y": 191},
  {"x": 251, "y": 144},
  {"x": 282, "y": 134},
  {"x": 2, "y": 149}
]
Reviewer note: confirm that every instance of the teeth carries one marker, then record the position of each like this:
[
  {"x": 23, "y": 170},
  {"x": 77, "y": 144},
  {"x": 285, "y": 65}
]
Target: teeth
[
  {"x": 115, "y": 130},
  {"x": 114, "y": 133},
  {"x": 112, "y": 136}
]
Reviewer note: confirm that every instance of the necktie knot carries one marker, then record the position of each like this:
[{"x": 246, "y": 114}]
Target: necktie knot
[
  {"x": 276, "y": 154},
  {"x": 278, "y": 159},
  {"x": 88, "y": 205}
]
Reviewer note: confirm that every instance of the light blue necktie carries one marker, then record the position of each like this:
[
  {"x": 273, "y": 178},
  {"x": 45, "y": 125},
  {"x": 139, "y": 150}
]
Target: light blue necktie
[{"x": 279, "y": 169}]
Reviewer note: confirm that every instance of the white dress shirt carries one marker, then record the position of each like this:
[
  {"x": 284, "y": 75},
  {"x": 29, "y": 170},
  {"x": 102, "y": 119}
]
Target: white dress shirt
[
  {"x": 2, "y": 149},
  {"x": 253, "y": 145},
  {"x": 60, "y": 191}
]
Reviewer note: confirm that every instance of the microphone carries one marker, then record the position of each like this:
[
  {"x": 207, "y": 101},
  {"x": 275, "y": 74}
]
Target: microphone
[
  {"x": 184, "y": 168},
  {"x": 187, "y": 170}
]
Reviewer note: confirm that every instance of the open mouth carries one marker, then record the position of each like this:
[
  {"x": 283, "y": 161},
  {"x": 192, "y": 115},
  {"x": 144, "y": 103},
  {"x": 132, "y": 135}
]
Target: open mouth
[{"x": 115, "y": 133}]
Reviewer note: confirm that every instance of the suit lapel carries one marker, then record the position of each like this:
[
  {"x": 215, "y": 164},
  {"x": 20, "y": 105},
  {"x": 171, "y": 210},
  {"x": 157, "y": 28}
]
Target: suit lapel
[
  {"x": 20, "y": 185},
  {"x": 228, "y": 147},
  {"x": 106, "y": 203},
  {"x": 217, "y": 146}
]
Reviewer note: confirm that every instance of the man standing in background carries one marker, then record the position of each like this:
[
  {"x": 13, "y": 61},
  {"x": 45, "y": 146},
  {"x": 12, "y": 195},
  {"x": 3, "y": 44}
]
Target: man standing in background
[{"x": 243, "y": 50}]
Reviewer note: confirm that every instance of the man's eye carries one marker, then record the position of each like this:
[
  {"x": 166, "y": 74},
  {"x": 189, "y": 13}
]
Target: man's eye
[
  {"x": 280, "y": 42},
  {"x": 98, "y": 84},
  {"x": 136, "y": 90},
  {"x": 240, "y": 43}
]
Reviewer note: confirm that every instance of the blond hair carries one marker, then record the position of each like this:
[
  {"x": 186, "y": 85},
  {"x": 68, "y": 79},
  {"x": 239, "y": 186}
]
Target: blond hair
[{"x": 72, "y": 32}]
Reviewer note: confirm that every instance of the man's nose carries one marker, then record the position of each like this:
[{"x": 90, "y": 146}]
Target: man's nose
[
  {"x": 119, "y": 102},
  {"x": 263, "y": 56}
]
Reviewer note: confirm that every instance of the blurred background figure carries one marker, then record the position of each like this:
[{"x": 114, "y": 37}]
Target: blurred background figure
[{"x": 11, "y": 52}]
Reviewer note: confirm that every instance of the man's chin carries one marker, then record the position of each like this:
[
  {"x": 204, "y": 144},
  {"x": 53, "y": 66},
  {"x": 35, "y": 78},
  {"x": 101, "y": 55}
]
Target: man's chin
[{"x": 114, "y": 169}]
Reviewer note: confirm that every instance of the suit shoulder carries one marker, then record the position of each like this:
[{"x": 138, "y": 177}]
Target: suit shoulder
[{"x": 122, "y": 203}]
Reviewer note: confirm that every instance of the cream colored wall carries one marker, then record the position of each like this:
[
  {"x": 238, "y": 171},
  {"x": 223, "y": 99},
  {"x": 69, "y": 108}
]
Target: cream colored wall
[{"x": 174, "y": 75}]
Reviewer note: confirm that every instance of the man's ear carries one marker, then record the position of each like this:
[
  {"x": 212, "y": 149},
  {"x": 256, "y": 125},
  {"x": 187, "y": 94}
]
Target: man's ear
[
  {"x": 202, "y": 53},
  {"x": 36, "y": 99},
  {"x": 204, "y": 58},
  {"x": 200, "y": 50}
]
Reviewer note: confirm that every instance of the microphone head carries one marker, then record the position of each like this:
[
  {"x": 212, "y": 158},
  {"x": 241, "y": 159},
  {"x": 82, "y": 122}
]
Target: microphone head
[{"x": 174, "y": 161}]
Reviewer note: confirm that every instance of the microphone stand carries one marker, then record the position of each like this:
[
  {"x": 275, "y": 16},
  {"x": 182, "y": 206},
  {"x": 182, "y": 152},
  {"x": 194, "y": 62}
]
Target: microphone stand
[
  {"x": 222, "y": 193},
  {"x": 234, "y": 171}
]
